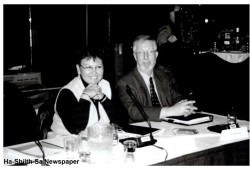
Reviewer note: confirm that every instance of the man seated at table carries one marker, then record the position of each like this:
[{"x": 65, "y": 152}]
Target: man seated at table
[{"x": 161, "y": 102}]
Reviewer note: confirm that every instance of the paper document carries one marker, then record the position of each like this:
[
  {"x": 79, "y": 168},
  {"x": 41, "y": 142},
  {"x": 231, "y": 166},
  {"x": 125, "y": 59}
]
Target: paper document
[{"x": 31, "y": 150}]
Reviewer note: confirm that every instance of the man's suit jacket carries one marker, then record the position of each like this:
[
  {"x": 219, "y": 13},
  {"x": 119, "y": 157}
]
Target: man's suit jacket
[{"x": 167, "y": 93}]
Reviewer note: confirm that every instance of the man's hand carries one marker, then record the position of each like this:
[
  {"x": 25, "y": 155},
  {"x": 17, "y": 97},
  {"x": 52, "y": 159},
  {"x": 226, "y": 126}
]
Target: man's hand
[{"x": 182, "y": 108}]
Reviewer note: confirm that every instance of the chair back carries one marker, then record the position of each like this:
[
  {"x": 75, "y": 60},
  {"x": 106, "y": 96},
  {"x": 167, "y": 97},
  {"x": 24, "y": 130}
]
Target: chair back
[
  {"x": 45, "y": 117},
  {"x": 20, "y": 123}
]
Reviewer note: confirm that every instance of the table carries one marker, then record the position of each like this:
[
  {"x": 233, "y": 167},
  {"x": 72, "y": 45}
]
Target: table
[
  {"x": 204, "y": 148},
  {"x": 229, "y": 154}
]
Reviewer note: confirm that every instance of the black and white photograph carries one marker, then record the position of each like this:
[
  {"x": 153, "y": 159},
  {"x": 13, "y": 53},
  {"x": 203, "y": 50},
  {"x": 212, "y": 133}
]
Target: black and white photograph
[{"x": 125, "y": 85}]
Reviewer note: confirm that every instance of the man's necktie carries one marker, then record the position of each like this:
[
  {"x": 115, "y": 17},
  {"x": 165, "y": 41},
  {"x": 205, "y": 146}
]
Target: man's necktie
[{"x": 154, "y": 98}]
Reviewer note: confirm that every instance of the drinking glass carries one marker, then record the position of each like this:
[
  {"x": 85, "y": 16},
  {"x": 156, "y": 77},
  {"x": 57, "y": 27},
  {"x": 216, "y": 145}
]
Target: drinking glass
[
  {"x": 231, "y": 116},
  {"x": 83, "y": 150},
  {"x": 115, "y": 134},
  {"x": 231, "y": 119},
  {"x": 129, "y": 149},
  {"x": 70, "y": 144}
]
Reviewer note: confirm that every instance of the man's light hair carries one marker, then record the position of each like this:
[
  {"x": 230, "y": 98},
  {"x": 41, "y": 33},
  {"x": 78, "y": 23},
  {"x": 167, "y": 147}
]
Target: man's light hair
[{"x": 143, "y": 38}]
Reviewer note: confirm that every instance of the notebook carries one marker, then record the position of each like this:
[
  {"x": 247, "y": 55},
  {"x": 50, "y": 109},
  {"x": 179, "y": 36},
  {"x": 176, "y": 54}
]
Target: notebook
[
  {"x": 192, "y": 119},
  {"x": 139, "y": 129}
]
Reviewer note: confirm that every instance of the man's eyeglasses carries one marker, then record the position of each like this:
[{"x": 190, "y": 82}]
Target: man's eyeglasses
[
  {"x": 142, "y": 53},
  {"x": 90, "y": 68}
]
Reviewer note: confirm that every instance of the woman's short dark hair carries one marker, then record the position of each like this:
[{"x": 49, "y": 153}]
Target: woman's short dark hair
[{"x": 89, "y": 53}]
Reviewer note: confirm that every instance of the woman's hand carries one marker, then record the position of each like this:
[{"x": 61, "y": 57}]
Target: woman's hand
[
  {"x": 93, "y": 91},
  {"x": 98, "y": 96}
]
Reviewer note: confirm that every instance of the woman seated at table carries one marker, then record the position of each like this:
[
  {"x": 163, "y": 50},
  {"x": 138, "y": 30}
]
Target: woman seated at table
[{"x": 87, "y": 99}]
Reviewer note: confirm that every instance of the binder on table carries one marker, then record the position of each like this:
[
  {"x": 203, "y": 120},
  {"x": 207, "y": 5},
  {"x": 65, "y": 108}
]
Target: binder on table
[
  {"x": 140, "y": 130},
  {"x": 192, "y": 119}
]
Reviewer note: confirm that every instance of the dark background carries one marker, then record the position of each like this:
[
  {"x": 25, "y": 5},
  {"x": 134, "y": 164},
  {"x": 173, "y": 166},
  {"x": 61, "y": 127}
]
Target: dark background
[{"x": 60, "y": 30}]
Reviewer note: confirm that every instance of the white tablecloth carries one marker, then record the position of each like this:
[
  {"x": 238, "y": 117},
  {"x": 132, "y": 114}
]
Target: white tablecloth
[{"x": 176, "y": 145}]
